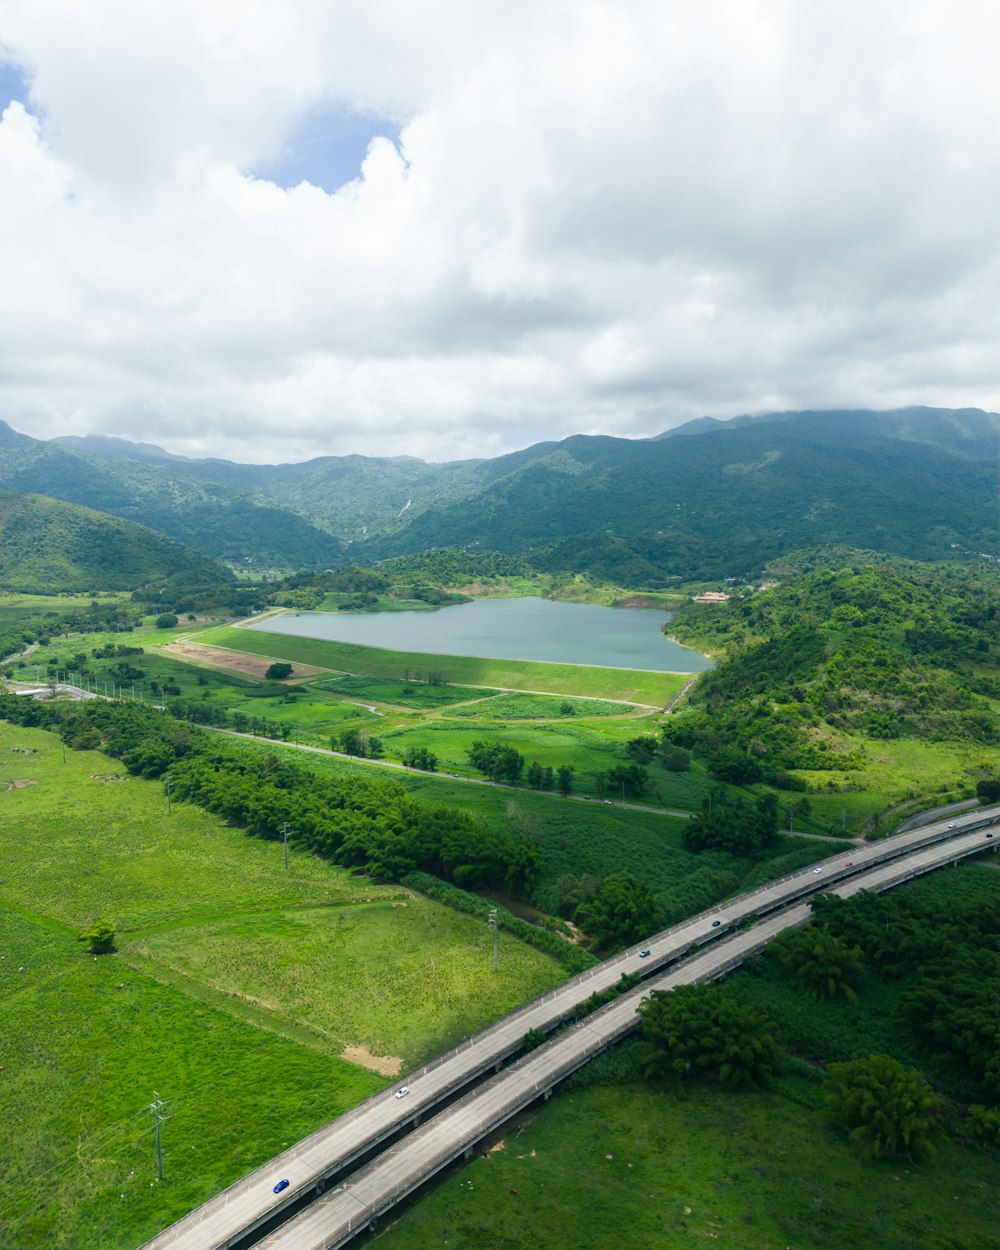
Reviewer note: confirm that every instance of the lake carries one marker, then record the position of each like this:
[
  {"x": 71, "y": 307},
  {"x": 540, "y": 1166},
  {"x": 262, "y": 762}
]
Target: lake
[{"x": 509, "y": 629}]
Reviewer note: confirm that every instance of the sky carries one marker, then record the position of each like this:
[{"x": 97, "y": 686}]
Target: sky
[{"x": 276, "y": 229}]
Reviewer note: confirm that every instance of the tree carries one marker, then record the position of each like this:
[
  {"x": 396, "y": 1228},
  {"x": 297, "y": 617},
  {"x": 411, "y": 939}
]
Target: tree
[
  {"x": 699, "y": 1029},
  {"x": 886, "y": 1109},
  {"x": 499, "y": 763},
  {"x": 676, "y": 760},
  {"x": 988, "y": 790},
  {"x": 825, "y": 964},
  {"x": 166, "y": 620},
  {"x": 100, "y": 938},
  {"x": 279, "y": 670},
  {"x": 629, "y": 778},
  {"x": 622, "y": 912},
  {"x": 641, "y": 750},
  {"x": 565, "y": 775}
]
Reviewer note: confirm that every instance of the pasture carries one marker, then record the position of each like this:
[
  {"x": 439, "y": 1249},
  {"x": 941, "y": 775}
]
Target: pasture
[{"x": 235, "y": 987}]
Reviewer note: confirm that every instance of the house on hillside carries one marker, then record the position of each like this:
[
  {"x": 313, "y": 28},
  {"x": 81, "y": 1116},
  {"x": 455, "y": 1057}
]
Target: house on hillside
[{"x": 712, "y": 596}]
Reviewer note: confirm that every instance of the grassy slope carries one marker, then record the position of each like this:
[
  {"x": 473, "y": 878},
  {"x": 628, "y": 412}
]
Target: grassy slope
[
  {"x": 629, "y": 685},
  {"x": 215, "y": 938},
  {"x": 620, "y": 1166}
]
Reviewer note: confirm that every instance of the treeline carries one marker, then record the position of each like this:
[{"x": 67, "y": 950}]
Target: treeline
[
  {"x": 366, "y": 823},
  {"x": 425, "y": 577}
]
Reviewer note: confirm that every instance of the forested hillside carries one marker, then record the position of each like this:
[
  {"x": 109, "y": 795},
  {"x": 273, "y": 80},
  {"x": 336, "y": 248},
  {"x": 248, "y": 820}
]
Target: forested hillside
[
  {"x": 724, "y": 502},
  {"x": 710, "y": 500},
  {"x": 834, "y": 657},
  {"x": 47, "y": 546}
]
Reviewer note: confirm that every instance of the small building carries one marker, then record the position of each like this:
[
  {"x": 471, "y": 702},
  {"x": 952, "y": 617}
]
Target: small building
[{"x": 712, "y": 596}]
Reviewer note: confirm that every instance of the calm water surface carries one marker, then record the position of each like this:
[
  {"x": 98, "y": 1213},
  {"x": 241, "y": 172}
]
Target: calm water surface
[{"x": 509, "y": 629}]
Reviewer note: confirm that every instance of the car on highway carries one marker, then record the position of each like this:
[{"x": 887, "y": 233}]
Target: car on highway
[
  {"x": 849, "y": 864},
  {"x": 817, "y": 871},
  {"x": 644, "y": 954},
  {"x": 952, "y": 824},
  {"x": 716, "y": 923},
  {"x": 402, "y": 1091},
  {"x": 281, "y": 1185}
]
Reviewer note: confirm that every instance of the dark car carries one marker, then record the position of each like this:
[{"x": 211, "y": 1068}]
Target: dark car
[
  {"x": 280, "y": 1186},
  {"x": 716, "y": 923}
]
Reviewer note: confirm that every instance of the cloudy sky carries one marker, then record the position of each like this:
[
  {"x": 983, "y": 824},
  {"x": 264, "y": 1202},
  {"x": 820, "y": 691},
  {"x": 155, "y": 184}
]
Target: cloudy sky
[{"x": 274, "y": 229}]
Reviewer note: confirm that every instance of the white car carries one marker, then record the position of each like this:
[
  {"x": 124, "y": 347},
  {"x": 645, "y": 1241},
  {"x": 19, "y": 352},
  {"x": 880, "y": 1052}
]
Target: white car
[
  {"x": 817, "y": 871},
  {"x": 402, "y": 1091},
  {"x": 952, "y": 824}
]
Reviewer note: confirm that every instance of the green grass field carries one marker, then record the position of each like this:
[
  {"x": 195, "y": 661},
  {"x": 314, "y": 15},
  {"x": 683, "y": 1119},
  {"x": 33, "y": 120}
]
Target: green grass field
[
  {"x": 626, "y": 685},
  {"x": 541, "y": 707},
  {"x": 896, "y": 770},
  {"x": 233, "y": 990},
  {"x": 420, "y": 696},
  {"x": 618, "y": 1166},
  {"x": 84, "y": 1043}
]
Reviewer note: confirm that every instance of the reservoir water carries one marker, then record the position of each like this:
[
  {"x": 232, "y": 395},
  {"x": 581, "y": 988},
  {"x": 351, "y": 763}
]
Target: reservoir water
[{"x": 509, "y": 629}]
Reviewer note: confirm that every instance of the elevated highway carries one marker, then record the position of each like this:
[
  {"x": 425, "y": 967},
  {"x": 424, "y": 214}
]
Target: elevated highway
[
  {"x": 232, "y": 1216},
  {"x": 336, "y": 1218}
]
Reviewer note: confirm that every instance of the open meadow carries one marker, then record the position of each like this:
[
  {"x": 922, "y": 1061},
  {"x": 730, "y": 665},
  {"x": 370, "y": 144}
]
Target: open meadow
[
  {"x": 234, "y": 991},
  {"x": 622, "y": 1165}
]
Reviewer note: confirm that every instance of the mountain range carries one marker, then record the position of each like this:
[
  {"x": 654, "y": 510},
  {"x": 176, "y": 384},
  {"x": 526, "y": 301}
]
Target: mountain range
[{"x": 709, "y": 497}]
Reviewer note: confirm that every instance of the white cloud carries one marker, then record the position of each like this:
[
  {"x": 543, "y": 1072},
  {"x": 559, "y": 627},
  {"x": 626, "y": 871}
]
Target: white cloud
[{"x": 599, "y": 217}]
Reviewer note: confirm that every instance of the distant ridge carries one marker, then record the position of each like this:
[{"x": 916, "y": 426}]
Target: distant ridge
[{"x": 713, "y": 497}]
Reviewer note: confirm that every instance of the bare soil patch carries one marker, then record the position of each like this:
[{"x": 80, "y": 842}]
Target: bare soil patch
[
  {"x": 20, "y": 782},
  {"x": 384, "y": 1065},
  {"x": 236, "y": 662}
]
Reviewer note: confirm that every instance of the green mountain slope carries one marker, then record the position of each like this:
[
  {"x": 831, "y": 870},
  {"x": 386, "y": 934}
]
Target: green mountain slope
[
  {"x": 726, "y": 500},
  {"x": 48, "y": 546},
  {"x": 709, "y": 499},
  {"x": 834, "y": 658},
  {"x": 211, "y": 506}
]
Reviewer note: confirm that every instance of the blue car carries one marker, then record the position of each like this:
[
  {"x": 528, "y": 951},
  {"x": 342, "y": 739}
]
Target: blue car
[{"x": 280, "y": 1186}]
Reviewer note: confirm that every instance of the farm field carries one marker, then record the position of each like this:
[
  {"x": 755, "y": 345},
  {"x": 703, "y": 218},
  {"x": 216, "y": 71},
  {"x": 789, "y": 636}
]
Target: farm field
[
  {"x": 609, "y": 1166},
  {"x": 588, "y": 733},
  {"x": 207, "y": 1000},
  {"x": 626, "y": 685}
]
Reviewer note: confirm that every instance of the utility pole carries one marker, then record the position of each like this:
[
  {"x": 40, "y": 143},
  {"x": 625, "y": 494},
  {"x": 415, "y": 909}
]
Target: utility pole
[
  {"x": 284, "y": 840},
  {"x": 168, "y": 782},
  {"x": 62, "y": 739},
  {"x": 495, "y": 926},
  {"x": 156, "y": 1106}
]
